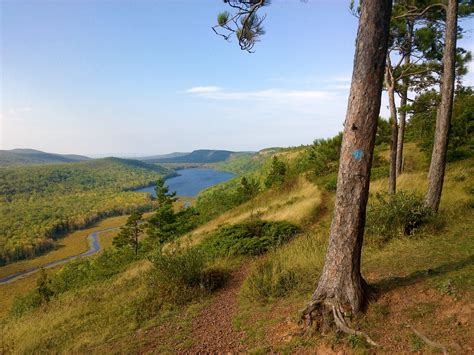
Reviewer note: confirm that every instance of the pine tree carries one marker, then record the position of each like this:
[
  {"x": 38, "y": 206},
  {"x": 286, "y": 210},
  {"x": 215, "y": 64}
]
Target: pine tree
[{"x": 130, "y": 233}]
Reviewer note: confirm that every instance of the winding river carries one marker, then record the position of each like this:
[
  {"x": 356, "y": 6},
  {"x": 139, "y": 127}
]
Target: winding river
[
  {"x": 189, "y": 183},
  {"x": 94, "y": 247}
]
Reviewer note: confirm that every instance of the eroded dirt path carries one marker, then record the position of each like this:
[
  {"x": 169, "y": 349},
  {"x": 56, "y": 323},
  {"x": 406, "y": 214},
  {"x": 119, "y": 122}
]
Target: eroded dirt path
[{"x": 212, "y": 328}]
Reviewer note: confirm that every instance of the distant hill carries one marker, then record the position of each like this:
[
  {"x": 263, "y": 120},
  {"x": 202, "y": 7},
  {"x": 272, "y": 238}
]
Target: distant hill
[
  {"x": 17, "y": 157},
  {"x": 201, "y": 156},
  {"x": 162, "y": 156}
]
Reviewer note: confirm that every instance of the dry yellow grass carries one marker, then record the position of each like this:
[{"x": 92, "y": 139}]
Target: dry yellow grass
[
  {"x": 88, "y": 319},
  {"x": 294, "y": 204},
  {"x": 73, "y": 244}
]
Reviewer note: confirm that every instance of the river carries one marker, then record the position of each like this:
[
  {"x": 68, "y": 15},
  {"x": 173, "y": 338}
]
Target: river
[
  {"x": 189, "y": 183},
  {"x": 192, "y": 181}
]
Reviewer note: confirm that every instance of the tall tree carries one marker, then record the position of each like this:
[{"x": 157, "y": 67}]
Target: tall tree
[
  {"x": 390, "y": 85},
  {"x": 162, "y": 226},
  {"x": 341, "y": 287},
  {"x": 404, "y": 97},
  {"x": 440, "y": 146},
  {"x": 130, "y": 233}
]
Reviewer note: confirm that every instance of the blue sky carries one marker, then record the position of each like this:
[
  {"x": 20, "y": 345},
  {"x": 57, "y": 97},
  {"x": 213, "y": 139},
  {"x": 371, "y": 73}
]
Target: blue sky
[{"x": 148, "y": 77}]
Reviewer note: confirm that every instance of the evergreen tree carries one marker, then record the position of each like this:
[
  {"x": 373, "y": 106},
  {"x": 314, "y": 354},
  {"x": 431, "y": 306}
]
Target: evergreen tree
[
  {"x": 130, "y": 233},
  {"x": 43, "y": 285},
  {"x": 162, "y": 226},
  {"x": 277, "y": 173},
  {"x": 248, "y": 188}
]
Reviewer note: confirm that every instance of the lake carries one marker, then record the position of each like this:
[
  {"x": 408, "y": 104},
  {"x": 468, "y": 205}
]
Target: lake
[{"x": 192, "y": 181}]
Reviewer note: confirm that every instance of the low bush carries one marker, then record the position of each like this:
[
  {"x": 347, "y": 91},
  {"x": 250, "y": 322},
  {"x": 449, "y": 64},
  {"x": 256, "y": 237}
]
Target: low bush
[
  {"x": 269, "y": 280},
  {"x": 249, "y": 238},
  {"x": 183, "y": 275},
  {"x": 396, "y": 215}
]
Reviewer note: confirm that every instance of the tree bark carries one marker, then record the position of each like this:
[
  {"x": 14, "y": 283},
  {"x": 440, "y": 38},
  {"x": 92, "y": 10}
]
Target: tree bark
[
  {"x": 403, "y": 101},
  {"x": 392, "y": 180},
  {"x": 341, "y": 287},
  {"x": 443, "y": 120}
]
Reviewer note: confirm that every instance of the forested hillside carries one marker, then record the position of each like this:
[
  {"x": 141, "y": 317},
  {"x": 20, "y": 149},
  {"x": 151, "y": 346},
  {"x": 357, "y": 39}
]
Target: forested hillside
[
  {"x": 17, "y": 157},
  {"x": 41, "y": 203},
  {"x": 201, "y": 156}
]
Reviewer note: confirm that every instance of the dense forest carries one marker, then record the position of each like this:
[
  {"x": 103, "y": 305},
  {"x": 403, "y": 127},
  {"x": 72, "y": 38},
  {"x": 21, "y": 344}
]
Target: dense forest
[
  {"x": 41, "y": 203},
  {"x": 17, "y": 157}
]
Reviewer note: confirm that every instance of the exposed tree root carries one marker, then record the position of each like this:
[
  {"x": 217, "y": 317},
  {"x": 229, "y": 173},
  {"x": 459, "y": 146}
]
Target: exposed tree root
[
  {"x": 316, "y": 309},
  {"x": 342, "y": 325},
  {"x": 429, "y": 342}
]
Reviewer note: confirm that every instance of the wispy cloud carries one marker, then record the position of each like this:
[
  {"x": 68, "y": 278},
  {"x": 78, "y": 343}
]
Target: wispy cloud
[
  {"x": 16, "y": 113},
  {"x": 268, "y": 94},
  {"x": 203, "y": 89}
]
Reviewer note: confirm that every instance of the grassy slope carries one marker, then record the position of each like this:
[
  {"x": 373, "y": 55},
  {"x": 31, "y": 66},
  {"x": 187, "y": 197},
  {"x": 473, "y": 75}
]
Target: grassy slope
[{"x": 425, "y": 281}]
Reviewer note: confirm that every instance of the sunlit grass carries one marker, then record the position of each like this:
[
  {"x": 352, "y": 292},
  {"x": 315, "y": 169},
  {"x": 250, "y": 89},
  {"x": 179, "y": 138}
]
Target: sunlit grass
[{"x": 294, "y": 203}]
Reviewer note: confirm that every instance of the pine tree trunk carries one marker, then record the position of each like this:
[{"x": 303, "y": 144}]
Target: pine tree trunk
[
  {"x": 392, "y": 180},
  {"x": 403, "y": 102},
  {"x": 401, "y": 131},
  {"x": 443, "y": 120},
  {"x": 341, "y": 287}
]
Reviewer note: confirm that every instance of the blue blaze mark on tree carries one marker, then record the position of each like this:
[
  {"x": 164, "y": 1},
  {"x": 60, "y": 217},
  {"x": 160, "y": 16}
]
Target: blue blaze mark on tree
[{"x": 358, "y": 154}]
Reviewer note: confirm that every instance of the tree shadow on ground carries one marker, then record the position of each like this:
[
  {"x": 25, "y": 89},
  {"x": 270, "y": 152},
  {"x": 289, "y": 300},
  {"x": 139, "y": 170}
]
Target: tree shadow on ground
[{"x": 392, "y": 283}]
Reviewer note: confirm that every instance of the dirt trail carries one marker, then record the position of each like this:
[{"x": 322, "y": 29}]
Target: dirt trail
[{"x": 212, "y": 328}]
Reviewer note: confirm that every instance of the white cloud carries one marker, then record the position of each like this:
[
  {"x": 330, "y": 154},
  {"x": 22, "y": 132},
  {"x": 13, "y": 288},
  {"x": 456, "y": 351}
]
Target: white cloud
[
  {"x": 203, "y": 89},
  {"x": 16, "y": 113},
  {"x": 268, "y": 94}
]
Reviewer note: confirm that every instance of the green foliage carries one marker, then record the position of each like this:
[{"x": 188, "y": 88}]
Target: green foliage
[
  {"x": 216, "y": 200},
  {"x": 248, "y": 188},
  {"x": 269, "y": 280},
  {"x": 183, "y": 275},
  {"x": 223, "y": 17},
  {"x": 384, "y": 132},
  {"x": 130, "y": 232},
  {"x": 17, "y": 157},
  {"x": 74, "y": 275},
  {"x": 242, "y": 163},
  {"x": 422, "y": 125},
  {"x": 249, "y": 238},
  {"x": 41, "y": 203},
  {"x": 278, "y": 171},
  {"x": 163, "y": 226},
  {"x": 43, "y": 287},
  {"x": 323, "y": 155},
  {"x": 396, "y": 215}
]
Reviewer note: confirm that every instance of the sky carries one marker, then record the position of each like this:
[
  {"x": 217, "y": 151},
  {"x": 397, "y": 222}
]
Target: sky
[{"x": 144, "y": 77}]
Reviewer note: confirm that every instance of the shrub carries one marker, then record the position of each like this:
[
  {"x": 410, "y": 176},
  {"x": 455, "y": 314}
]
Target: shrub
[
  {"x": 394, "y": 215},
  {"x": 269, "y": 280},
  {"x": 250, "y": 238},
  {"x": 183, "y": 275},
  {"x": 323, "y": 155}
]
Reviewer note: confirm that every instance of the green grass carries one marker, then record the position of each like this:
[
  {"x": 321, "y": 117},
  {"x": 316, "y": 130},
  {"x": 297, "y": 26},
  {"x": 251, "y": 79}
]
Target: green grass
[
  {"x": 438, "y": 260},
  {"x": 423, "y": 280}
]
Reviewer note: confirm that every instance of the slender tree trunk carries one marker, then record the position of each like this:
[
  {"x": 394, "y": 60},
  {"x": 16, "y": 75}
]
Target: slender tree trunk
[
  {"x": 443, "y": 120},
  {"x": 403, "y": 101},
  {"x": 136, "y": 231},
  {"x": 341, "y": 287},
  {"x": 392, "y": 180}
]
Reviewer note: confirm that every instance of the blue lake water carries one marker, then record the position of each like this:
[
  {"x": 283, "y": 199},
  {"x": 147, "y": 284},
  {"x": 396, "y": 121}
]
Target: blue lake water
[{"x": 192, "y": 181}]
